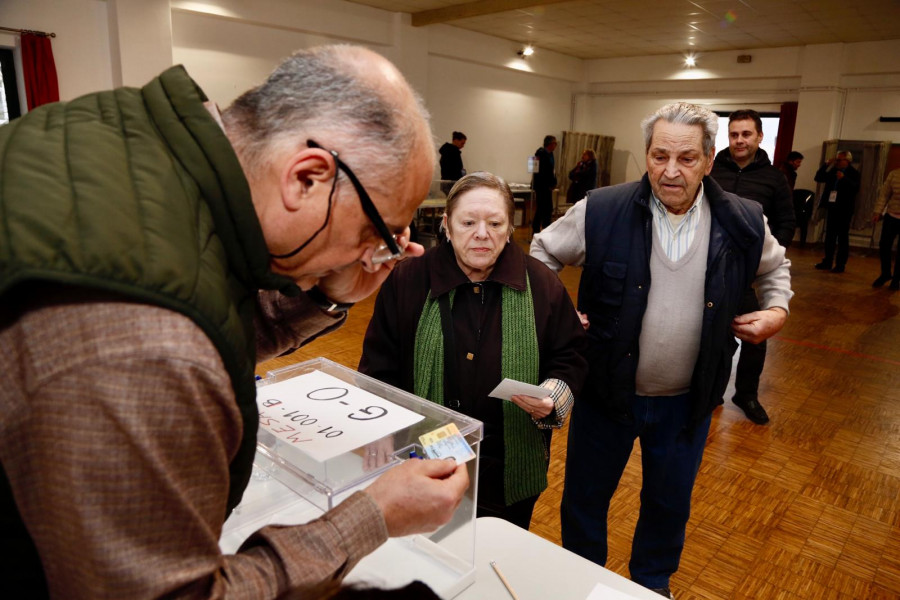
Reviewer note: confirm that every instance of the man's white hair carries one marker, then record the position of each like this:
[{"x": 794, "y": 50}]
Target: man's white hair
[{"x": 684, "y": 113}]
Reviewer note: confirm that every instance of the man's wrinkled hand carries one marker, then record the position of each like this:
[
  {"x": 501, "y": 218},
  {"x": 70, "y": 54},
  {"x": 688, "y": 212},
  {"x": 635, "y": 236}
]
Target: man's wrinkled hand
[
  {"x": 420, "y": 495},
  {"x": 758, "y": 326}
]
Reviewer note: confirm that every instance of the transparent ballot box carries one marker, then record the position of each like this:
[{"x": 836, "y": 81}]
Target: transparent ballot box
[{"x": 310, "y": 459}]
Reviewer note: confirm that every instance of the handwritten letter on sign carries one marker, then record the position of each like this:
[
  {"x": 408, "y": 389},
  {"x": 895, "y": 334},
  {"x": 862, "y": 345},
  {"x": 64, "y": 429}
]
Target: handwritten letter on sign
[{"x": 325, "y": 416}]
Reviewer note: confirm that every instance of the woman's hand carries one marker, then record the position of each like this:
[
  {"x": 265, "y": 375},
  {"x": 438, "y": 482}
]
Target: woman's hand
[
  {"x": 378, "y": 453},
  {"x": 537, "y": 408}
]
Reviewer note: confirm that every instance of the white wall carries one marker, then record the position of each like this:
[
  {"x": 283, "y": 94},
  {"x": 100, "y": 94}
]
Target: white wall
[
  {"x": 504, "y": 115},
  {"x": 470, "y": 82},
  {"x": 81, "y": 45},
  {"x": 841, "y": 90}
]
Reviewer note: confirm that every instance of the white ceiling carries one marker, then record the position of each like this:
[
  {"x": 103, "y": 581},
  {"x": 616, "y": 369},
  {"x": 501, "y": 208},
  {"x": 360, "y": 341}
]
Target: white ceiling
[{"x": 615, "y": 28}]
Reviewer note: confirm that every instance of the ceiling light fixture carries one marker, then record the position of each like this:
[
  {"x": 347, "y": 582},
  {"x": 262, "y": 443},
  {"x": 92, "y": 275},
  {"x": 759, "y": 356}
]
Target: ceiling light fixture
[{"x": 526, "y": 52}]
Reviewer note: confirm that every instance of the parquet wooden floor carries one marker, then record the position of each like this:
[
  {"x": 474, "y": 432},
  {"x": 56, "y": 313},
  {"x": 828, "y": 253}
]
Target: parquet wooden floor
[{"x": 805, "y": 507}]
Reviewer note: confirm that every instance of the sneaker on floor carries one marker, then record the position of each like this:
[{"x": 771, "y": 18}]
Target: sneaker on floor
[
  {"x": 838, "y": 269},
  {"x": 823, "y": 266},
  {"x": 881, "y": 281},
  {"x": 664, "y": 592},
  {"x": 753, "y": 409}
]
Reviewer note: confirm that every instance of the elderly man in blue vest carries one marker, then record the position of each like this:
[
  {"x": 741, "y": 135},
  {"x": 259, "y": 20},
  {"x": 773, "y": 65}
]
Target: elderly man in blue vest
[
  {"x": 151, "y": 250},
  {"x": 666, "y": 262}
]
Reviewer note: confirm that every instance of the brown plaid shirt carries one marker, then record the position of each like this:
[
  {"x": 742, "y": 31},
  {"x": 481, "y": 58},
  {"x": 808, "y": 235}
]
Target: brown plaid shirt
[{"x": 117, "y": 426}]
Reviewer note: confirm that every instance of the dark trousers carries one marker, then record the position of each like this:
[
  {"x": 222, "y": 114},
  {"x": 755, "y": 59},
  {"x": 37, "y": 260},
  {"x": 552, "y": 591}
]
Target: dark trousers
[
  {"x": 837, "y": 232},
  {"x": 518, "y": 513},
  {"x": 544, "y": 209},
  {"x": 491, "y": 486},
  {"x": 802, "y": 223},
  {"x": 890, "y": 229},
  {"x": 752, "y": 357},
  {"x": 598, "y": 450}
]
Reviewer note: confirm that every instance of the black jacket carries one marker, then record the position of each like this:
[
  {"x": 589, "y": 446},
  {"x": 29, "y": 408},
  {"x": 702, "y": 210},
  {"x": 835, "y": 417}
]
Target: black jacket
[
  {"x": 762, "y": 182},
  {"x": 389, "y": 346},
  {"x": 847, "y": 188},
  {"x": 451, "y": 162},
  {"x": 545, "y": 178},
  {"x": 615, "y": 286}
]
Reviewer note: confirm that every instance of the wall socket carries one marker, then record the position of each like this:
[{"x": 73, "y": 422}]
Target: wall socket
[{"x": 744, "y": 58}]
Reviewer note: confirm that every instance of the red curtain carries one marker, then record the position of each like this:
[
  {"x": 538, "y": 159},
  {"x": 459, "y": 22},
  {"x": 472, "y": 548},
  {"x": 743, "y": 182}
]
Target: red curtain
[
  {"x": 785, "y": 141},
  {"x": 41, "y": 85}
]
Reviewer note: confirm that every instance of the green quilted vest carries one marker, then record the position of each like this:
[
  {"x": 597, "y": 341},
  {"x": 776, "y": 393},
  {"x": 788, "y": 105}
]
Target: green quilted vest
[{"x": 138, "y": 191}]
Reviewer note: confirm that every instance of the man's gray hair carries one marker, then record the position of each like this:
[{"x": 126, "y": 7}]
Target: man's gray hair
[
  {"x": 322, "y": 94},
  {"x": 684, "y": 113}
]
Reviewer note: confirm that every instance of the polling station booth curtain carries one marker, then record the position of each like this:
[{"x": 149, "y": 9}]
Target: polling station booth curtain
[
  {"x": 39, "y": 70},
  {"x": 574, "y": 143}
]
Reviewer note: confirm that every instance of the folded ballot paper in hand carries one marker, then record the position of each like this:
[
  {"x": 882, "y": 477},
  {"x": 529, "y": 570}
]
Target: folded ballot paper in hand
[{"x": 508, "y": 388}]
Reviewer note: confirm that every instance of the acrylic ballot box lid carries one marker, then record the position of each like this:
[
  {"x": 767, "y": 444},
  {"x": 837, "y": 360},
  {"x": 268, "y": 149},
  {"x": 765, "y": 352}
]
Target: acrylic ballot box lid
[{"x": 289, "y": 486}]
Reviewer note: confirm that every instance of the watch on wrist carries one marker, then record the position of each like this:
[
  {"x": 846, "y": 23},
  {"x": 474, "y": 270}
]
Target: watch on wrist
[{"x": 325, "y": 303}]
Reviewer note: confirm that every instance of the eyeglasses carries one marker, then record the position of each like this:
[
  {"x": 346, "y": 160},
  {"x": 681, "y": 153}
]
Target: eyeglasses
[{"x": 389, "y": 249}]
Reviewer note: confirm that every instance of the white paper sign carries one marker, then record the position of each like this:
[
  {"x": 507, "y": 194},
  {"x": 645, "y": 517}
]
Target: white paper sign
[
  {"x": 508, "y": 388},
  {"x": 325, "y": 417}
]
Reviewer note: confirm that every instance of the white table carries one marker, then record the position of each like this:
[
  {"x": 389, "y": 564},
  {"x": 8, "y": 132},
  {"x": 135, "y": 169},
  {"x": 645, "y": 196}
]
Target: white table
[{"x": 535, "y": 568}]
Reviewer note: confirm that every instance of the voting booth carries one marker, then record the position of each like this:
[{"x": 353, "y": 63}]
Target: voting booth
[{"x": 327, "y": 431}]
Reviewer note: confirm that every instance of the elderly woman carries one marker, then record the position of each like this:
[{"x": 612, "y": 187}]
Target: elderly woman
[{"x": 482, "y": 308}]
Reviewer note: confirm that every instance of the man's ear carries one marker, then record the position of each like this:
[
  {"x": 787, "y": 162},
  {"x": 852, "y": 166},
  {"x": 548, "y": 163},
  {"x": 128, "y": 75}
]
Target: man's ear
[{"x": 306, "y": 176}]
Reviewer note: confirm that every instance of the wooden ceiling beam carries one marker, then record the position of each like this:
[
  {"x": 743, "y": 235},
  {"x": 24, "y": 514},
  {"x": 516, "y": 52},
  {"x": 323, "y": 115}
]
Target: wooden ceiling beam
[{"x": 473, "y": 9}]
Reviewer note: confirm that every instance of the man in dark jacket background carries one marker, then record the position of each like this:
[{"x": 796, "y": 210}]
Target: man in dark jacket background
[
  {"x": 543, "y": 183},
  {"x": 789, "y": 168},
  {"x": 744, "y": 169},
  {"x": 451, "y": 157},
  {"x": 666, "y": 262},
  {"x": 841, "y": 181}
]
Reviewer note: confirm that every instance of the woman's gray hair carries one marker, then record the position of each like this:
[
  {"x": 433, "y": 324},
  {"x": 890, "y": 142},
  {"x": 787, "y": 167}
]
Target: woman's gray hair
[
  {"x": 322, "y": 94},
  {"x": 477, "y": 180},
  {"x": 684, "y": 113}
]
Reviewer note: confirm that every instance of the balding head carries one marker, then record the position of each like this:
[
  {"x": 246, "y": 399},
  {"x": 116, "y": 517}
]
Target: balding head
[
  {"x": 344, "y": 97},
  {"x": 323, "y": 113}
]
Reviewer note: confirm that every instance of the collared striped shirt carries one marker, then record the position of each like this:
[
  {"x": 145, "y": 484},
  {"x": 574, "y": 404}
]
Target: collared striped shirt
[{"x": 676, "y": 232}]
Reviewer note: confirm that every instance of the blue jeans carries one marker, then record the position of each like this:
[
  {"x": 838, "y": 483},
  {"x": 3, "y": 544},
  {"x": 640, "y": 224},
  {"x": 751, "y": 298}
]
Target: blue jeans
[{"x": 598, "y": 450}]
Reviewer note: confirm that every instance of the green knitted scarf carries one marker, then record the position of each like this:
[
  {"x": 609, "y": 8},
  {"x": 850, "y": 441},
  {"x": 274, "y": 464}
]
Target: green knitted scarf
[{"x": 525, "y": 466}]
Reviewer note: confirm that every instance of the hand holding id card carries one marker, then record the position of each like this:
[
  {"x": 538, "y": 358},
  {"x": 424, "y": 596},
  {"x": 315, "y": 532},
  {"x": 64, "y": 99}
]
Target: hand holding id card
[{"x": 447, "y": 442}]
